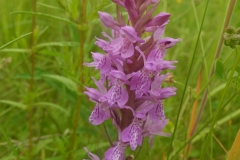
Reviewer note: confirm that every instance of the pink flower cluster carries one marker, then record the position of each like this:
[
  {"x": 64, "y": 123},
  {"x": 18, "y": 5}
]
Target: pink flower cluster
[{"x": 129, "y": 91}]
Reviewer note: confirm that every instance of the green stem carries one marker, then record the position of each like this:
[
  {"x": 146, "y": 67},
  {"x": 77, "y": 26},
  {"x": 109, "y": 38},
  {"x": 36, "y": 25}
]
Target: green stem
[
  {"x": 81, "y": 56},
  {"x": 220, "y": 106},
  {"x": 32, "y": 56},
  {"x": 108, "y": 137},
  {"x": 185, "y": 88}
]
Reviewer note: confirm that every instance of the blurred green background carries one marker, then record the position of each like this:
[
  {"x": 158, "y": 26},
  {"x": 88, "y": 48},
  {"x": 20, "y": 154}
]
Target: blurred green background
[{"x": 48, "y": 99}]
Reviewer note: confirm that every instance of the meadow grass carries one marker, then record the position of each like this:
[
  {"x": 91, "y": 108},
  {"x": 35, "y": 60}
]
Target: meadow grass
[{"x": 44, "y": 113}]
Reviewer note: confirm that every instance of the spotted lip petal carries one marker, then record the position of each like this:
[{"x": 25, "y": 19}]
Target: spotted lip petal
[
  {"x": 98, "y": 115},
  {"x": 141, "y": 83},
  {"x": 133, "y": 133},
  {"x": 157, "y": 112},
  {"x": 116, "y": 153},
  {"x": 101, "y": 62},
  {"x": 116, "y": 94}
]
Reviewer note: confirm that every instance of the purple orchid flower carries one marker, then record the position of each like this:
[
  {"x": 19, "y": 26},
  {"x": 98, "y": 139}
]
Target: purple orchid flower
[
  {"x": 124, "y": 45},
  {"x": 101, "y": 62},
  {"x": 117, "y": 93},
  {"x": 133, "y": 133},
  {"x": 152, "y": 128},
  {"x": 156, "y": 95},
  {"x": 162, "y": 45},
  {"x": 117, "y": 152},
  {"x": 130, "y": 89},
  {"x": 100, "y": 112},
  {"x": 141, "y": 81}
]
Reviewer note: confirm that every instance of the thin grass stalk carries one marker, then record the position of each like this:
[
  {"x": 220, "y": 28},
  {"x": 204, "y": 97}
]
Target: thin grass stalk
[
  {"x": 206, "y": 72},
  {"x": 81, "y": 55},
  {"x": 32, "y": 61},
  {"x": 193, "y": 115},
  {"x": 186, "y": 84},
  {"x": 9, "y": 43},
  {"x": 220, "y": 144},
  {"x": 201, "y": 129},
  {"x": 217, "y": 54},
  {"x": 220, "y": 105},
  {"x": 9, "y": 142}
]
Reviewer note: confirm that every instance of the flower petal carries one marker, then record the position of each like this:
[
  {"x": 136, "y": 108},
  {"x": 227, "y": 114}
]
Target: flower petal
[
  {"x": 131, "y": 34},
  {"x": 91, "y": 155},
  {"x": 98, "y": 115}
]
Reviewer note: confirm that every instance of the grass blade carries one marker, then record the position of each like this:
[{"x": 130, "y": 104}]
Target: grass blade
[
  {"x": 15, "y": 104},
  {"x": 185, "y": 88},
  {"x": 55, "y": 106},
  {"x": 46, "y": 15},
  {"x": 220, "y": 106},
  {"x": 7, "y": 44},
  {"x": 60, "y": 44},
  {"x": 9, "y": 142},
  {"x": 66, "y": 81}
]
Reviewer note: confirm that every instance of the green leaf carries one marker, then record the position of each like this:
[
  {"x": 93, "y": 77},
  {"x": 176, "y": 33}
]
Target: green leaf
[
  {"x": 60, "y": 44},
  {"x": 48, "y": 6},
  {"x": 72, "y": 7},
  {"x": 65, "y": 81},
  {"x": 55, "y": 106},
  {"x": 14, "y": 104},
  {"x": 15, "y": 50},
  {"x": 37, "y": 74},
  {"x": 7, "y": 44},
  {"x": 235, "y": 74},
  {"x": 42, "y": 144},
  {"x": 235, "y": 79},
  {"x": 46, "y": 15},
  {"x": 219, "y": 71}
]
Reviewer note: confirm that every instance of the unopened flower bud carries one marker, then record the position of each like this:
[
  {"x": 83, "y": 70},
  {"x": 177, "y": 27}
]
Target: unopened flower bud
[
  {"x": 130, "y": 157},
  {"x": 230, "y": 30},
  {"x": 237, "y": 31},
  {"x": 235, "y": 37},
  {"x": 226, "y": 37}
]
